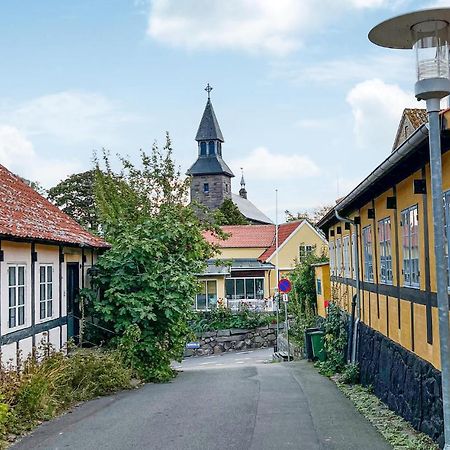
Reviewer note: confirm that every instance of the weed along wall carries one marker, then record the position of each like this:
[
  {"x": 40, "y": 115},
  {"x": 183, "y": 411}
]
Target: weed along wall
[{"x": 215, "y": 342}]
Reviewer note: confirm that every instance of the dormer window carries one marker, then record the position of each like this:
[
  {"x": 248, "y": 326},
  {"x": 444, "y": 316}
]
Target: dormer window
[
  {"x": 211, "y": 148},
  {"x": 202, "y": 148}
]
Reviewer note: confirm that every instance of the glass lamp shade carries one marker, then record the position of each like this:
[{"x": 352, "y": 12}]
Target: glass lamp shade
[{"x": 432, "y": 50}]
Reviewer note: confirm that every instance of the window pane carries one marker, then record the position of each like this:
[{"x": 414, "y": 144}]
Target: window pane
[
  {"x": 49, "y": 308},
  {"x": 42, "y": 274},
  {"x": 21, "y": 291},
  {"x": 21, "y": 318},
  {"x": 12, "y": 297},
  {"x": 42, "y": 310},
  {"x": 250, "y": 288},
  {"x": 259, "y": 284},
  {"x": 49, "y": 291},
  {"x": 49, "y": 273},
  {"x": 212, "y": 293},
  {"x": 240, "y": 289},
  {"x": 42, "y": 292},
  {"x": 12, "y": 317},
  {"x": 201, "y": 301},
  {"x": 229, "y": 288},
  {"x": 12, "y": 276},
  {"x": 21, "y": 275}
]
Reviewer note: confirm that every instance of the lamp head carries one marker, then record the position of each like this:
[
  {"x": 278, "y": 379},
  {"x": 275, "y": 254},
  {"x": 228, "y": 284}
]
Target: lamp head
[{"x": 428, "y": 32}]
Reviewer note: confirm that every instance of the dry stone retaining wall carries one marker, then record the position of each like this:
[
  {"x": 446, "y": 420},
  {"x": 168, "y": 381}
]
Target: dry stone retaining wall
[{"x": 215, "y": 342}]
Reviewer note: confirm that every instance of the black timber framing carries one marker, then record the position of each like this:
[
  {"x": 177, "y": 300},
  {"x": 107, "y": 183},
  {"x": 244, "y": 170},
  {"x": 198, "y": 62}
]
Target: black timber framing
[{"x": 25, "y": 333}]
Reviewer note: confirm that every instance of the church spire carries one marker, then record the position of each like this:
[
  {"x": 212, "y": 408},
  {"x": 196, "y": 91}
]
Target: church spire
[
  {"x": 209, "y": 128},
  {"x": 242, "y": 191}
]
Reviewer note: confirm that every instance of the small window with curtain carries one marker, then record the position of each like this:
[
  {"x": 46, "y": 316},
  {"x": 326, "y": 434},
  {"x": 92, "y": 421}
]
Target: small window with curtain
[{"x": 45, "y": 291}]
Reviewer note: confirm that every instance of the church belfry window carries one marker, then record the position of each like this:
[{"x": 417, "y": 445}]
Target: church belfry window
[
  {"x": 202, "y": 148},
  {"x": 219, "y": 148},
  {"x": 211, "y": 148}
]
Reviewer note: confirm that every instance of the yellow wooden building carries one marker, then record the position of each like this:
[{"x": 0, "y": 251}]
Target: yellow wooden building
[
  {"x": 244, "y": 270},
  {"x": 393, "y": 232}
]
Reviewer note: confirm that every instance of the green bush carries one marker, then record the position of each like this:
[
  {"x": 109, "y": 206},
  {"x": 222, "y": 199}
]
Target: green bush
[{"x": 222, "y": 318}]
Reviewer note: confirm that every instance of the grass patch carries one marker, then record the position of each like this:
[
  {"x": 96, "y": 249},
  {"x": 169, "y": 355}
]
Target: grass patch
[
  {"x": 397, "y": 431},
  {"x": 49, "y": 382}
]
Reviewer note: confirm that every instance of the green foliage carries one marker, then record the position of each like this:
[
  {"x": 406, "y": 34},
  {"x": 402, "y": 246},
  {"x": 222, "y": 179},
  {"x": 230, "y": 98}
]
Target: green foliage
[
  {"x": 50, "y": 382},
  {"x": 303, "y": 297},
  {"x": 350, "y": 374},
  {"x": 223, "y": 318},
  {"x": 75, "y": 196},
  {"x": 335, "y": 341},
  {"x": 313, "y": 215},
  {"x": 147, "y": 281},
  {"x": 229, "y": 214}
]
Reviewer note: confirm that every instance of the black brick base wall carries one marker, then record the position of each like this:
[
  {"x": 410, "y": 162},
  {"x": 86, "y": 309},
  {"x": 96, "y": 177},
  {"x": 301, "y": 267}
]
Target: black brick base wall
[{"x": 408, "y": 385}]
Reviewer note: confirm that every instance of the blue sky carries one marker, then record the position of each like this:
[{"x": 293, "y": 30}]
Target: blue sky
[{"x": 306, "y": 104}]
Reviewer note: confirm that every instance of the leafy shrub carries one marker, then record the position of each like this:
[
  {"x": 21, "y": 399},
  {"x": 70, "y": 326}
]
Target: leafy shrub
[
  {"x": 350, "y": 374},
  {"x": 222, "y": 318},
  {"x": 335, "y": 341}
]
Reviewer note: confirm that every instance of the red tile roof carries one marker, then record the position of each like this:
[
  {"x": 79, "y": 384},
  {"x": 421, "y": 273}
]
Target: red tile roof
[
  {"x": 244, "y": 236},
  {"x": 251, "y": 236},
  {"x": 284, "y": 231},
  {"x": 25, "y": 214}
]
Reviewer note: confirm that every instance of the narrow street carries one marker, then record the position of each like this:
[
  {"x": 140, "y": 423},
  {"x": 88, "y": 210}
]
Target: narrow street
[{"x": 235, "y": 401}]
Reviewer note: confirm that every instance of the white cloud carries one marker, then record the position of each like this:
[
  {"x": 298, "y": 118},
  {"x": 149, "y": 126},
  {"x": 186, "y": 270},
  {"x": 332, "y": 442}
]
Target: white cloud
[
  {"x": 72, "y": 116},
  {"x": 18, "y": 155},
  {"x": 377, "y": 108},
  {"x": 260, "y": 163},
  {"x": 276, "y": 27},
  {"x": 397, "y": 67}
]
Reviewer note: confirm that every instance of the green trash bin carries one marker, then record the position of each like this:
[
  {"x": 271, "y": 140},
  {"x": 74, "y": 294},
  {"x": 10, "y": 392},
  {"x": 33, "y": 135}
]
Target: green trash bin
[{"x": 317, "y": 345}]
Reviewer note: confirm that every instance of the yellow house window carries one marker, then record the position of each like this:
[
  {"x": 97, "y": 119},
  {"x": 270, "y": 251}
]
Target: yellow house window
[
  {"x": 207, "y": 296},
  {"x": 305, "y": 250}
]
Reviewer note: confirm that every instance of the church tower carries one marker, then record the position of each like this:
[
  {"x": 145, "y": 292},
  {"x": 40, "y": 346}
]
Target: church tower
[{"x": 211, "y": 177}]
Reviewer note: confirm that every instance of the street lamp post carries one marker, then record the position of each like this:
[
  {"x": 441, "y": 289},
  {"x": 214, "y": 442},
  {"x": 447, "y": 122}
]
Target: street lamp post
[{"x": 428, "y": 33}]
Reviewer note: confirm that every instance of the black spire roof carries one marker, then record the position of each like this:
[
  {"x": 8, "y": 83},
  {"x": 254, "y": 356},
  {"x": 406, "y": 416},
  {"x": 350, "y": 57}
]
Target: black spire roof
[
  {"x": 210, "y": 165},
  {"x": 209, "y": 126}
]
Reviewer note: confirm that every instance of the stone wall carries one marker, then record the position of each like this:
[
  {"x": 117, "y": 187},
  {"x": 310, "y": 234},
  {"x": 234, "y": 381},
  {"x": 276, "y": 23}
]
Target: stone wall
[
  {"x": 409, "y": 385},
  {"x": 215, "y": 342}
]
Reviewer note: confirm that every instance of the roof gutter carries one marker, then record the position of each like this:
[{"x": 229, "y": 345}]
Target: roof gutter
[{"x": 394, "y": 158}]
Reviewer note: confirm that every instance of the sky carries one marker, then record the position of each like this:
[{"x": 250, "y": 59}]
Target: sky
[{"x": 307, "y": 105}]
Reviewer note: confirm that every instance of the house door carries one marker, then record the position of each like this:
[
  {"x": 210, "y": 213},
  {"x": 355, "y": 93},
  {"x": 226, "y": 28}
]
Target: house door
[{"x": 73, "y": 301}]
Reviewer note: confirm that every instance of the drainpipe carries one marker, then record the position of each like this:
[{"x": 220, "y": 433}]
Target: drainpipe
[{"x": 357, "y": 317}]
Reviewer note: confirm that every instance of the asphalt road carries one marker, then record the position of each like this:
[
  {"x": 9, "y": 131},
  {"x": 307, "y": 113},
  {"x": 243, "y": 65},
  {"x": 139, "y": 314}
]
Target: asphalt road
[{"x": 236, "y": 401}]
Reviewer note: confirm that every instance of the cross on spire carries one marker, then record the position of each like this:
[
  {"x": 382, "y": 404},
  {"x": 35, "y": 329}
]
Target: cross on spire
[{"x": 208, "y": 89}]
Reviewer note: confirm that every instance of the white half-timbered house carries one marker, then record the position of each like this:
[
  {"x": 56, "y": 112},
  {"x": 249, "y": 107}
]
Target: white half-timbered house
[{"x": 44, "y": 258}]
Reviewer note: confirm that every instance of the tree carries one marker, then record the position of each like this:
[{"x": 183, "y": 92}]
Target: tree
[
  {"x": 75, "y": 196},
  {"x": 147, "y": 280},
  {"x": 229, "y": 214},
  {"x": 313, "y": 215},
  {"x": 35, "y": 185}
]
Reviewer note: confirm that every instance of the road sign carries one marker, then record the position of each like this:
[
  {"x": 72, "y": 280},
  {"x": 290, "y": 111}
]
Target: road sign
[
  {"x": 285, "y": 298},
  {"x": 284, "y": 285},
  {"x": 192, "y": 345}
]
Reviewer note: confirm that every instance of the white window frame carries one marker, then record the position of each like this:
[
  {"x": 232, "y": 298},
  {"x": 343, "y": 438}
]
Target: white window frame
[
  {"x": 368, "y": 253},
  {"x": 46, "y": 291},
  {"x": 205, "y": 292},
  {"x": 410, "y": 270},
  {"x": 13, "y": 302},
  {"x": 338, "y": 257},
  {"x": 346, "y": 253},
  {"x": 385, "y": 242},
  {"x": 354, "y": 256},
  {"x": 332, "y": 257},
  {"x": 304, "y": 250},
  {"x": 256, "y": 295}
]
